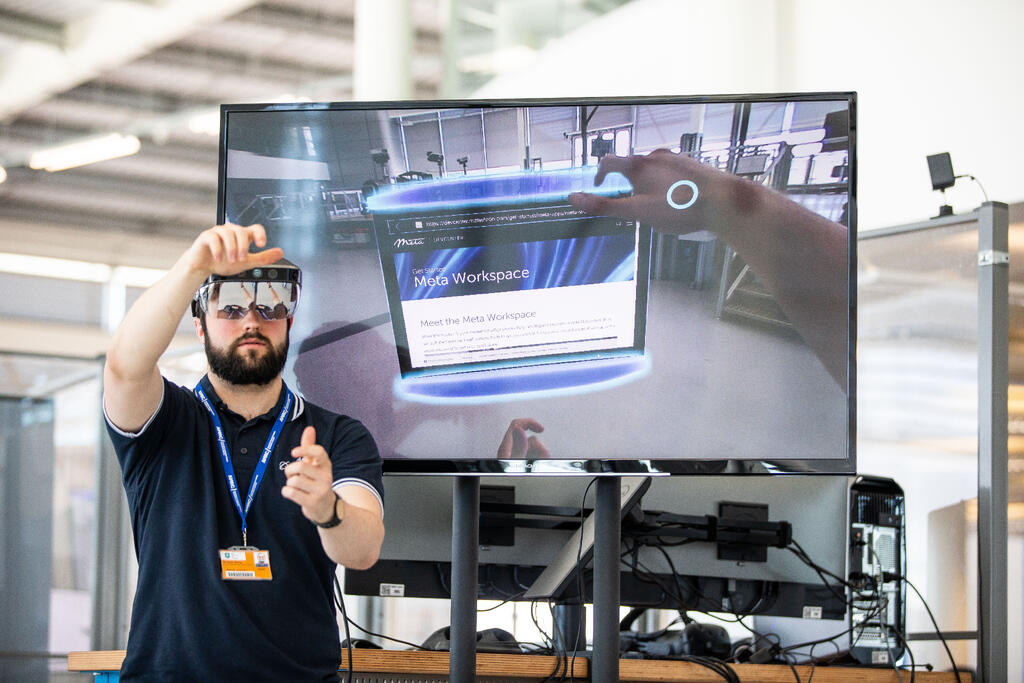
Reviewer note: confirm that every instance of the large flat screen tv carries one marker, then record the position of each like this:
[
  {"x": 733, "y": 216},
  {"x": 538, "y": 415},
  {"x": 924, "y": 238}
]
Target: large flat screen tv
[{"x": 615, "y": 285}]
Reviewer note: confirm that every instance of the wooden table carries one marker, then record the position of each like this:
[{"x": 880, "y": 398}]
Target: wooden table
[{"x": 433, "y": 666}]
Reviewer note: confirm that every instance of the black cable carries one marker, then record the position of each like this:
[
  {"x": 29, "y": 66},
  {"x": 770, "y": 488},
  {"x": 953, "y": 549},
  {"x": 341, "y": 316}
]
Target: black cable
[
  {"x": 814, "y": 660},
  {"x": 533, "y": 615},
  {"x": 579, "y": 581},
  {"x": 339, "y": 598},
  {"x": 758, "y": 636},
  {"x": 644, "y": 574},
  {"x": 789, "y": 661},
  {"x": 680, "y": 595},
  {"x": 719, "y": 667},
  {"x": 682, "y": 602},
  {"x": 394, "y": 640},
  {"x": 548, "y": 642},
  {"x": 980, "y": 186},
  {"x": 500, "y": 604},
  {"x": 488, "y": 571},
  {"x": 814, "y": 663},
  {"x": 536, "y": 649},
  {"x": 558, "y": 645},
  {"x": 563, "y": 646},
  {"x": 935, "y": 623},
  {"x": 440, "y": 577},
  {"x": 790, "y": 648},
  {"x": 515, "y": 577},
  {"x": 882, "y": 604},
  {"x": 636, "y": 567},
  {"x": 798, "y": 550},
  {"x": 675, "y": 574},
  {"x": 910, "y": 653},
  {"x": 822, "y": 572}
]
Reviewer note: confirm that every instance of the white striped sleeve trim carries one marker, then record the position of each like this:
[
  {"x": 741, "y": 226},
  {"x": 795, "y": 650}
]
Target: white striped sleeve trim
[
  {"x": 297, "y": 409},
  {"x": 132, "y": 435},
  {"x": 352, "y": 481}
]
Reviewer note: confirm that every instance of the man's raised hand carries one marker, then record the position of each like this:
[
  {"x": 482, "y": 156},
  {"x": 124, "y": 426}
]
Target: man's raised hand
[
  {"x": 309, "y": 479},
  {"x": 224, "y": 249}
]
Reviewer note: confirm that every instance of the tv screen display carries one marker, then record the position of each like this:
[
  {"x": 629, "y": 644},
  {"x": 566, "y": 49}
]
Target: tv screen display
[{"x": 620, "y": 285}]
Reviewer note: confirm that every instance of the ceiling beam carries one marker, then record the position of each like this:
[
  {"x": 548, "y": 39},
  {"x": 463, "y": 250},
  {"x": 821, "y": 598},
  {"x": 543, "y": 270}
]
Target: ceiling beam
[
  {"x": 222, "y": 61},
  {"x": 31, "y": 28},
  {"x": 114, "y": 33},
  {"x": 64, "y": 340},
  {"x": 28, "y": 216},
  {"x": 114, "y": 247}
]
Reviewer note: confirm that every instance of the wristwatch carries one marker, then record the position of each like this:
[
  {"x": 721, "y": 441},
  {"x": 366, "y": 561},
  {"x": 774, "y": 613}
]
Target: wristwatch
[{"x": 335, "y": 520}]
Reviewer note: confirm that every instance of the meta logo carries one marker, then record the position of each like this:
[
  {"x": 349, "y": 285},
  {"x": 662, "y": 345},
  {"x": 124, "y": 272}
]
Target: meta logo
[{"x": 416, "y": 242}]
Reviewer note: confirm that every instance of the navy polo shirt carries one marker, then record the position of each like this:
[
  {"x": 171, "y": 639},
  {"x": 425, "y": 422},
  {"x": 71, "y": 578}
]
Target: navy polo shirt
[{"x": 189, "y": 624}]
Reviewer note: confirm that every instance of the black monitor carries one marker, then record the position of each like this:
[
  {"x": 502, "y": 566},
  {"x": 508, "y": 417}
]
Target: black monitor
[
  {"x": 620, "y": 285},
  {"x": 714, "y": 544}
]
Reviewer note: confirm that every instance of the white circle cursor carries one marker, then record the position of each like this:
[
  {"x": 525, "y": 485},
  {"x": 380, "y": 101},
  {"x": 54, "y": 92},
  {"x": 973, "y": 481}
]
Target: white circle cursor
[{"x": 682, "y": 183}]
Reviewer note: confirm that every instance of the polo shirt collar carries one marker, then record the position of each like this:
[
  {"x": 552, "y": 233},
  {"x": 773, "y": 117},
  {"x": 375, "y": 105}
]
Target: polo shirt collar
[{"x": 297, "y": 408}]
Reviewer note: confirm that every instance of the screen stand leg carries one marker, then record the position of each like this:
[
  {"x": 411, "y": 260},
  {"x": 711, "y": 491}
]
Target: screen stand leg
[
  {"x": 571, "y": 625},
  {"x": 607, "y": 532},
  {"x": 465, "y": 559}
]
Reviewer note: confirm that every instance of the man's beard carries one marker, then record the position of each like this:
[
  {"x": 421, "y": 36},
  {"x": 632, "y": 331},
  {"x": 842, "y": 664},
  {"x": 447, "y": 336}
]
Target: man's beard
[{"x": 240, "y": 367}]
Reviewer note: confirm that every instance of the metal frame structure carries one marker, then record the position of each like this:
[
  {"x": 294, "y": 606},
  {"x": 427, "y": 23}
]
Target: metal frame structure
[
  {"x": 993, "y": 381},
  {"x": 993, "y": 475}
]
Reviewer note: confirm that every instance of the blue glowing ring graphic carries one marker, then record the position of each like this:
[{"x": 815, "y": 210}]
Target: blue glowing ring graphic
[{"x": 679, "y": 183}]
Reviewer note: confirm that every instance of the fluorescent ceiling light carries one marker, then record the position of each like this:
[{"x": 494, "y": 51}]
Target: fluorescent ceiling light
[
  {"x": 3, "y": 174},
  {"x": 85, "y": 271},
  {"x": 499, "y": 61},
  {"x": 288, "y": 97},
  {"x": 134, "y": 276},
  {"x": 83, "y": 152},
  {"x": 44, "y": 266},
  {"x": 207, "y": 122}
]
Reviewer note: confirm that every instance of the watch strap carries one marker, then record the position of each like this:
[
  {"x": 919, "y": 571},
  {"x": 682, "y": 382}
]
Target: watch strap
[{"x": 335, "y": 520}]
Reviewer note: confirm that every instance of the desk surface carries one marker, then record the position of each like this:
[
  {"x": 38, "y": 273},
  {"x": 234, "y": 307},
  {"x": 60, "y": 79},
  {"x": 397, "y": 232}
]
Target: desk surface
[{"x": 541, "y": 666}]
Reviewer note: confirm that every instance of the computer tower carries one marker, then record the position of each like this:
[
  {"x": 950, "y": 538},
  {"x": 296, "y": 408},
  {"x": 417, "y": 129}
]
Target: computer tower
[{"x": 876, "y": 567}]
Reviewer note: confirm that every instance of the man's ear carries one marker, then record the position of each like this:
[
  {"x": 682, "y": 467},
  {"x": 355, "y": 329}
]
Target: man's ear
[{"x": 199, "y": 329}]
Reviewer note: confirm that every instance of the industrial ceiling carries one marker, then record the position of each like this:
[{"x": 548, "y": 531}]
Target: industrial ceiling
[{"x": 71, "y": 69}]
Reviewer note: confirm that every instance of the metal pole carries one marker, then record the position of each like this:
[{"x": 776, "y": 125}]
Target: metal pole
[
  {"x": 383, "y": 74},
  {"x": 450, "y": 12},
  {"x": 109, "y": 579},
  {"x": 607, "y": 530},
  {"x": 570, "y": 625},
  {"x": 465, "y": 557},
  {"x": 993, "y": 485}
]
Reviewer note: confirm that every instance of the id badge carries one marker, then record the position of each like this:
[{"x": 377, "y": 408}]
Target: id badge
[{"x": 245, "y": 564}]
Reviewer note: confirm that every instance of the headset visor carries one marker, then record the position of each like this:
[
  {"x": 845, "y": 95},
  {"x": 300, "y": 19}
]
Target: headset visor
[{"x": 233, "y": 300}]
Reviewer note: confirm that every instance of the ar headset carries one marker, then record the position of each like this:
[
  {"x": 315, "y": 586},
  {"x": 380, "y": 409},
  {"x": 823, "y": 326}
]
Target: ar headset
[{"x": 271, "y": 292}]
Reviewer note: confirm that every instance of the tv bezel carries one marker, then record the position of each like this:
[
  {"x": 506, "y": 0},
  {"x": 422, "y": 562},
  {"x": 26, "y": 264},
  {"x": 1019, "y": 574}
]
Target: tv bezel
[{"x": 638, "y": 465}]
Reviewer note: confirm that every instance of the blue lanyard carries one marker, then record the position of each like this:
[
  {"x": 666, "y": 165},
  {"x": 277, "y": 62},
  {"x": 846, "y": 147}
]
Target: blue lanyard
[{"x": 225, "y": 457}]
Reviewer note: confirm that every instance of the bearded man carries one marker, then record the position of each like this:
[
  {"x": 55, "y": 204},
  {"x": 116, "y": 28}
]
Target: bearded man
[{"x": 243, "y": 497}]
